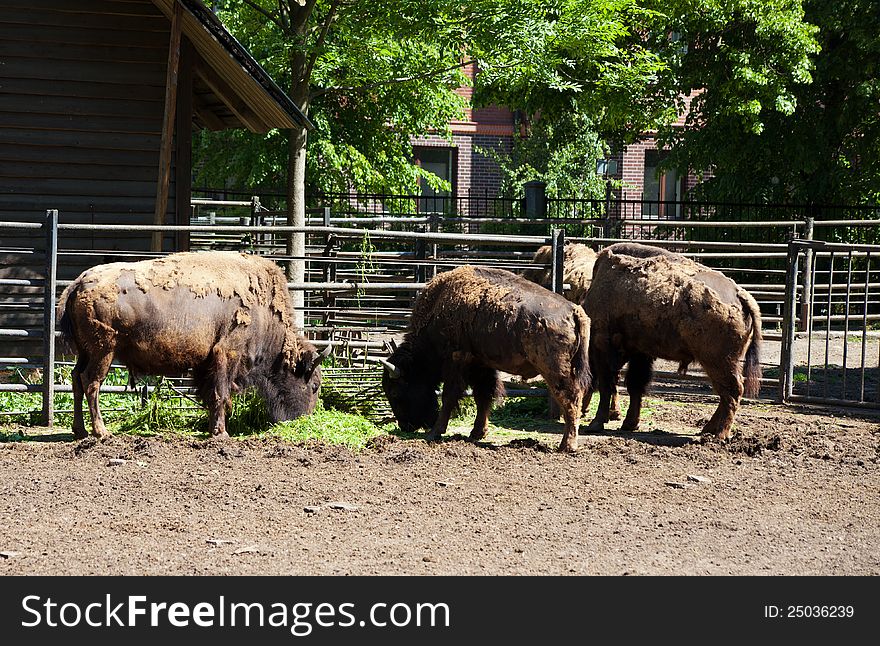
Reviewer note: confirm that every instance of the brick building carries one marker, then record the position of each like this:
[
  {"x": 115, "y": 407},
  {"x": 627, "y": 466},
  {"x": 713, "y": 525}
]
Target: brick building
[{"x": 474, "y": 175}]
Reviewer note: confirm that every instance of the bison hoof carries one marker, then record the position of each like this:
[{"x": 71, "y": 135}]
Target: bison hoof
[
  {"x": 613, "y": 415},
  {"x": 478, "y": 434},
  {"x": 568, "y": 446},
  {"x": 722, "y": 434},
  {"x": 104, "y": 436},
  {"x": 80, "y": 433},
  {"x": 595, "y": 427},
  {"x": 220, "y": 436},
  {"x": 629, "y": 428},
  {"x": 432, "y": 437}
]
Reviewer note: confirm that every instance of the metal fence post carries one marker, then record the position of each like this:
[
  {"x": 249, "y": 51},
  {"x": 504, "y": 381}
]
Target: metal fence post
[
  {"x": 557, "y": 246},
  {"x": 786, "y": 363},
  {"x": 558, "y": 254},
  {"x": 807, "y": 288},
  {"x": 49, "y": 318},
  {"x": 434, "y": 228}
]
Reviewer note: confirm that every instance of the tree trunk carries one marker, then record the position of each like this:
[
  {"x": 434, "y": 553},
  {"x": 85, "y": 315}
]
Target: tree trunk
[
  {"x": 296, "y": 186},
  {"x": 296, "y": 217}
]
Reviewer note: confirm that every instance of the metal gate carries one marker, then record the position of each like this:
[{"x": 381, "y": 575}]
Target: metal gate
[{"x": 830, "y": 350}]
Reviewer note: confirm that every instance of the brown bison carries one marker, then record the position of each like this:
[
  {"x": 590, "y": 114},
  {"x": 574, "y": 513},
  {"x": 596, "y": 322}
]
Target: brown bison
[
  {"x": 577, "y": 273},
  {"x": 468, "y": 324},
  {"x": 647, "y": 303},
  {"x": 226, "y": 316}
]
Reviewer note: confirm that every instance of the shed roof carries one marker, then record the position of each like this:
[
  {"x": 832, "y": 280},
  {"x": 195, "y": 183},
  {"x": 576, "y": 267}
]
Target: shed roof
[{"x": 230, "y": 89}]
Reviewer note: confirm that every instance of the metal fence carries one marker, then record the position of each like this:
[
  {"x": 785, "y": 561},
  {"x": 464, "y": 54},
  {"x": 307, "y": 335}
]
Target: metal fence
[
  {"x": 363, "y": 272},
  {"x": 835, "y": 358}
]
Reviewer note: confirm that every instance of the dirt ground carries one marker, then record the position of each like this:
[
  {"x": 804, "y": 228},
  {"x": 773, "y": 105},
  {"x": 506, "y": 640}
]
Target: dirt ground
[{"x": 795, "y": 492}]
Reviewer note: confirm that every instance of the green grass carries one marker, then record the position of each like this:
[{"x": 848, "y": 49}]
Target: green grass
[{"x": 330, "y": 427}]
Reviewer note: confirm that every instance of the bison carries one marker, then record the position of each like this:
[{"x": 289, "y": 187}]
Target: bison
[
  {"x": 224, "y": 315},
  {"x": 470, "y": 323},
  {"x": 577, "y": 273},
  {"x": 647, "y": 303}
]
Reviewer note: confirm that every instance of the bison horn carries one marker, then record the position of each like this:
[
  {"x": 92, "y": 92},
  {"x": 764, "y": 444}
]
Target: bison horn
[
  {"x": 326, "y": 352},
  {"x": 393, "y": 371}
]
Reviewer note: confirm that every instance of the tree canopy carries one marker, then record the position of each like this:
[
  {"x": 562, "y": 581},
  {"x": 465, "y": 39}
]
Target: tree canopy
[{"x": 791, "y": 106}]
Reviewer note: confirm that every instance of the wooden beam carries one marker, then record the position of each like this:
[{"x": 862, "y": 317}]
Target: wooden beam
[
  {"x": 228, "y": 95},
  {"x": 206, "y": 115},
  {"x": 171, "y": 81},
  {"x": 183, "y": 145}
]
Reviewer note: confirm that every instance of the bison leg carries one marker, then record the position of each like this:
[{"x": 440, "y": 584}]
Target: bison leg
[
  {"x": 570, "y": 402},
  {"x": 638, "y": 376},
  {"x": 217, "y": 390},
  {"x": 453, "y": 390},
  {"x": 606, "y": 379},
  {"x": 486, "y": 388},
  {"x": 614, "y": 410},
  {"x": 728, "y": 384},
  {"x": 78, "y": 427},
  {"x": 92, "y": 377}
]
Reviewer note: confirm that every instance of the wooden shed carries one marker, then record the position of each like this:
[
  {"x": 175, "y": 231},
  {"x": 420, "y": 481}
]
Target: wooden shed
[{"x": 98, "y": 99}]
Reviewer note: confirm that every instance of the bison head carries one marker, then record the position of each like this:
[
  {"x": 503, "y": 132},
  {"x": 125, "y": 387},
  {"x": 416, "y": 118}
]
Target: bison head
[
  {"x": 410, "y": 384},
  {"x": 293, "y": 390}
]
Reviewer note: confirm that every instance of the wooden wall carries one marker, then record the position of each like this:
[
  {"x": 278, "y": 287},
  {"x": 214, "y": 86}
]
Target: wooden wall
[{"x": 82, "y": 87}]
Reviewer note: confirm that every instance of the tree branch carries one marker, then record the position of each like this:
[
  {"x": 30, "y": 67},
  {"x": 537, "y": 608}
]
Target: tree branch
[
  {"x": 394, "y": 81},
  {"x": 268, "y": 14},
  {"x": 331, "y": 14},
  {"x": 301, "y": 16}
]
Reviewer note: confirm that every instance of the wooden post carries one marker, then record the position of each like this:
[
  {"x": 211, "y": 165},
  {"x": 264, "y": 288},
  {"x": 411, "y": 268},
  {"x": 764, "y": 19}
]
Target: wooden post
[
  {"x": 171, "y": 78},
  {"x": 183, "y": 144}
]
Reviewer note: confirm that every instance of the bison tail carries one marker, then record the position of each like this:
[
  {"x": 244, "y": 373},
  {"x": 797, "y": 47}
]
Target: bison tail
[
  {"x": 580, "y": 360},
  {"x": 752, "y": 364},
  {"x": 63, "y": 320}
]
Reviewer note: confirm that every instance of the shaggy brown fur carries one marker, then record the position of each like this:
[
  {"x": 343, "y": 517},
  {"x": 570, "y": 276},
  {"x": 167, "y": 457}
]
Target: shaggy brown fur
[
  {"x": 644, "y": 307},
  {"x": 225, "y": 315},
  {"x": 577, "y": 269},
  {"x": 471, "y": 322},
  {"x": 577, "y": 273}
]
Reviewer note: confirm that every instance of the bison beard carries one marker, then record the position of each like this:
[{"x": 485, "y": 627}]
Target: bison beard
[
  {"x": 647, "y": 303},
  {"x": 225, "y": 316},
  {"x": 468, "y": 324}
]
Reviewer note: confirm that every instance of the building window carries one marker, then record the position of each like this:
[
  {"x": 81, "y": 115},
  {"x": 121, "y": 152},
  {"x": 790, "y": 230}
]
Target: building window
[
  {"x": 441, "y": 162},
  {"x": 662, "y": 193}
]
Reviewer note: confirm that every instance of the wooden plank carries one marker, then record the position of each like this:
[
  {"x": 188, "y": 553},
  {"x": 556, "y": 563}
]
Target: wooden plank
[
  {"x": 25, "y": 15},
  {"x": 120, "y": 7},
  {"x": 95, "y": 34},
  {"x": 206, "y": 114},
  {"x": 173, "y": 75},
  {"x": 76, "y": 155},
  {"x": 69, "y": 187},
  {"x": 80, "y": 106},
  {"x": 53, "y": 70},
  {"x": 74, "y": 122},
  {"x": 62, "y": 169},
  {"x": 87, "y": 52},
  {"x": 101, "y": 140},
  {"x": 80, "y": 89}
]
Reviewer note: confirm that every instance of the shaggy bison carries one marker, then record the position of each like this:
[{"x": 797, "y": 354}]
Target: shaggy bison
[
  {"x": 577, "y": 273},
  {"x": 468, "y": 324},
  {"x": 224, "y": 315},
  {"x": 647, "y": 303}
]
